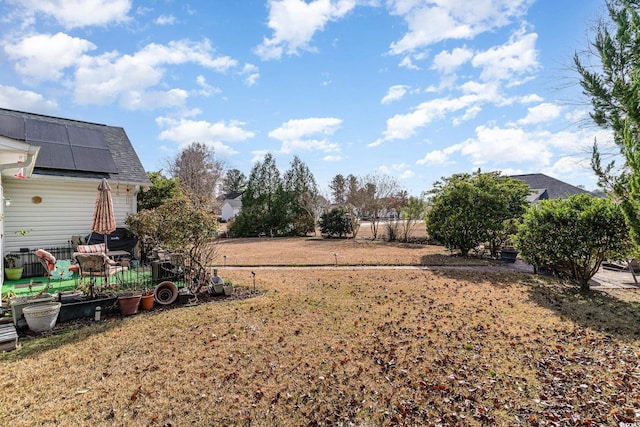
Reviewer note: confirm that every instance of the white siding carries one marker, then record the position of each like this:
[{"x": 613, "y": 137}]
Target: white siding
[
  {"x": 66, "y": 209},
  {"x": 227, "y": 211}
]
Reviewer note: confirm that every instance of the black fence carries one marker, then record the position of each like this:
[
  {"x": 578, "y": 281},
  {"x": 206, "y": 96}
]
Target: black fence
[{"x": 31, "y": 264}]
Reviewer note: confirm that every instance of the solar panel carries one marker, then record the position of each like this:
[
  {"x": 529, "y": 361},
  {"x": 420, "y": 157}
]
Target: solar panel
[
  {"x": 39, "y": 130},
  {"x": 54, "y": 156},
  {"x": 12, "y": 127},
  {"x": 93, "y": 159},
  {"x": 84, "y": 137},
  {"x": 65, "y": 147}
]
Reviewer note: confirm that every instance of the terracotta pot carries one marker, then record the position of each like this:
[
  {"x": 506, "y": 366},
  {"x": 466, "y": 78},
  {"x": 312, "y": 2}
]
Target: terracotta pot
[
  {"x": 146, "y": 302},
  {"x": 166, "y": 293},
  {"x": 129, "y": 304}
]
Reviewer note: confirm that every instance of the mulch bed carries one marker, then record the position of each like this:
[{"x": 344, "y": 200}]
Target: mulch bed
[{"x": 239, "y": 293}]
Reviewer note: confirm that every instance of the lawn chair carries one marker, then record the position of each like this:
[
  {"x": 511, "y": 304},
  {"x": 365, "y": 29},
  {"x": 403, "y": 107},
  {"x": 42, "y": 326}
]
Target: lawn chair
[
  {"x": 48, "y": 261},
  {"x": 94, "y": 265}
]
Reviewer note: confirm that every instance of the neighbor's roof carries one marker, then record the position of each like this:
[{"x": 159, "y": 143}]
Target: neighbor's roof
[
  {"x": 555, "y": 189},
  {"x": 233, "y": 195},
  {"x": 74, "y": 148}
]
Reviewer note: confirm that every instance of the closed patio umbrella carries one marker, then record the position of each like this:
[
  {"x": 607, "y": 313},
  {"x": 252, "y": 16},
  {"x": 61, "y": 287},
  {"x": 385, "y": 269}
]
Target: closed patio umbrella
[{"x": 104, "y": 221}]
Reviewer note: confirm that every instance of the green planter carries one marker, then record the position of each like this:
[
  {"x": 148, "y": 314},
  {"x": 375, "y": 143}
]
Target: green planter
[{"x": 14, "y": 273}]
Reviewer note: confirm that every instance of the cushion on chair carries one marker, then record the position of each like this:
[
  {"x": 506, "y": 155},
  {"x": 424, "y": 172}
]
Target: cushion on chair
[
  {"x": 49, "y": 259},
  {"x": 92, "y": 249}
]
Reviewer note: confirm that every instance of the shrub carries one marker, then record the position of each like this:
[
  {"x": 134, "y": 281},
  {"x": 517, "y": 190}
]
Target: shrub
[
  {"x": 572, "y": 237},
  {"x": 469, "y": 209},
  {"x": 338, "y": 222},
  {"x": 182, "y": 225}
]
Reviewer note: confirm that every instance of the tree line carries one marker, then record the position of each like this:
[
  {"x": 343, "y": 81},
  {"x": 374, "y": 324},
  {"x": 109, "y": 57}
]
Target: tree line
[{"x": 570, "y": 237}]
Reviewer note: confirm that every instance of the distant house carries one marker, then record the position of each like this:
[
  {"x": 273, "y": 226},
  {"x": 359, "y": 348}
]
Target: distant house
[
  {"x": 231, "y": 206},
  {"x": 50, "y": 170},
  {"x": 544, "y": 187}
]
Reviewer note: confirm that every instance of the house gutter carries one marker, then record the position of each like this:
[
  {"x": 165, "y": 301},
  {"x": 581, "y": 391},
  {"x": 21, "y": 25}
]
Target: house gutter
[{"x": 26, "y": 164}]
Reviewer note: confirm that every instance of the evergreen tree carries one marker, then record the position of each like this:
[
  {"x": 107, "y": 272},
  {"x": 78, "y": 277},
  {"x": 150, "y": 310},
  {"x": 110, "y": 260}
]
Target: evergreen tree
[
  {"x": 614, "y": 90},
  {"x": 338, "y": 187},
  {"x": 161, "y": 190},
  {"x": 300, "y": 197},
  {"x": 261, "y": 208},
  {"x": 234, "y": 182}
]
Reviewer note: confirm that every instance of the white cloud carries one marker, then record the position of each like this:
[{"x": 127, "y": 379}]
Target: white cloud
[
  {"x": 45, "y": 56},
  {"x": 259, "y": 155},
  {"x": 23, "y": 100},
  {"x": 531, "y": 99},
  {"x": 407, "y": 63},
  {"x": 183, "y": 132},
  {"x": 407, "y": 174},
  {"x": 469, "y": 114},
  {"x": 500, "y": 145},
  {"x": 513, "y": 59},
  {"x": 433, "y": 21},
  {"x": 165, "y": 20},
  {"x": 447, "y": 62},
  {"x": 403, "y": 126},
  {"x": 395, "y": 93},
  {"x": 300, "y": 135},
  {"x": 294, "y": 23},
  {"x": 251, "y": 74},
  {"x": 205, "y": 88},
  {"x": 80, "y": 13},
  {"x": 439, "y": 157},
  {"x": 541, "y": 113},
  {"x": 332, "y": 158},
  {"x": 112, "y": 76}
]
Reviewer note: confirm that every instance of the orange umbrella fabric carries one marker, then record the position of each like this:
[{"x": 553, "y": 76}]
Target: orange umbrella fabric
[{"x": 104, "y": 220}]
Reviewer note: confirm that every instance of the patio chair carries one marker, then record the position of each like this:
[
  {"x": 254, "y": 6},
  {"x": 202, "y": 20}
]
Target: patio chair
[
  {"x": 47, "y": 260},
  {"x": 93, "y": 265}
]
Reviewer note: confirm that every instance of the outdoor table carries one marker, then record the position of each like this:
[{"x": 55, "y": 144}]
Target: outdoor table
[{"x": 116, "y": 255}]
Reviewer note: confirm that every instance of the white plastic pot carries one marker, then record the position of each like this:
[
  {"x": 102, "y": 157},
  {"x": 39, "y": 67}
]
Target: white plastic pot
[{"x": 42, "y": 317}]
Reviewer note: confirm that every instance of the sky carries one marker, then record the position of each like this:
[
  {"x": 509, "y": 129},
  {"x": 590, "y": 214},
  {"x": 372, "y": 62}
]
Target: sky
[{"x": 414, "y": 89}]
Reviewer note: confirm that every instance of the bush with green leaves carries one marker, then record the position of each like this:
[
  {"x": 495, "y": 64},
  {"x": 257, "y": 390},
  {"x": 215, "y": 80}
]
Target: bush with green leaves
[
  {"x": 469, "y": 209},
  {"x": 339, "y": 221},
  {"x": 572, "y": 237},
  {"x": 183, "y": 225}
]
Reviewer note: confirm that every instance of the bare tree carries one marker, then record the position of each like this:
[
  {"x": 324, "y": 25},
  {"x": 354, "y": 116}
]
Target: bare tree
[
  {"x": 378, "y": 189},
  {"x": 198, "y": 170}
]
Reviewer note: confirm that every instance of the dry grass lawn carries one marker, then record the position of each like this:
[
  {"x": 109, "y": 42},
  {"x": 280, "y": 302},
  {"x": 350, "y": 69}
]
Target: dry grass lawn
[{"x": 326, "y": 346}]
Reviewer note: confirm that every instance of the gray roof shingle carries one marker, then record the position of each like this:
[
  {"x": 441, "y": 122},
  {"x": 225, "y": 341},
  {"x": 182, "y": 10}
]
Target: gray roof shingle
[{"x": 555, "y": 189}]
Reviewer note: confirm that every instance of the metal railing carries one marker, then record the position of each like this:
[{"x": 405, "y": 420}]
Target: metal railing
[{"x": 31, "y": 266}]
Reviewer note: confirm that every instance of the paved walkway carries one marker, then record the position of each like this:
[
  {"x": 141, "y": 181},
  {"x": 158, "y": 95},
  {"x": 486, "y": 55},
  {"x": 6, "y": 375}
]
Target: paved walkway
[{"x": 603, "y": 279}]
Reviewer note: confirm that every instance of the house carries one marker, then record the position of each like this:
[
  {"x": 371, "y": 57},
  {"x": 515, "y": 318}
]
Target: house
[
  {"x": 231, "y": 206},
  {"x": 50, "y": 170},
  {"x": 544, "y": 187}
]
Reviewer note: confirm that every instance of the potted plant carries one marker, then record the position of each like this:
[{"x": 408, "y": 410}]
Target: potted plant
[
  {"x": 42, "y": 317},
  {"x": 129, "y": 301},
  {"x": 228, "y": 287},
  {"x": 87, "y": 302},
  {"x": 12, "y": 266},
  {"x": 13, "y": 262},
  {"x": 508, "y": 253},
  {"x": 19, "y": 303},
  {"x": 147, "y": 299},
  {"x": 217, "y": 284}
]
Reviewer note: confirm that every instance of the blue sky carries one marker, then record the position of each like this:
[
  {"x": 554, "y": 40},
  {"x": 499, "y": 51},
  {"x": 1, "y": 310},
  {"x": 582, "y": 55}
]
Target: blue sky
[{"x": 415, "y": 89}]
